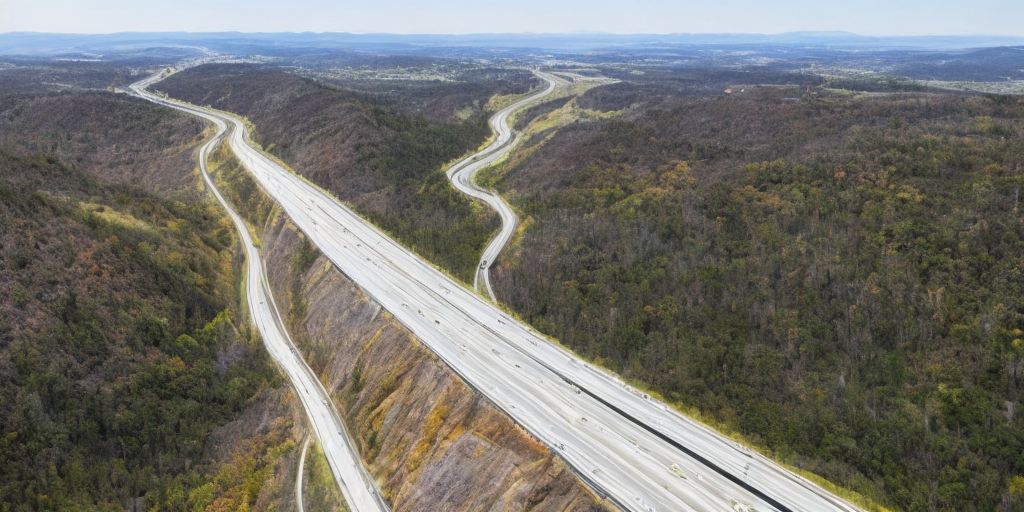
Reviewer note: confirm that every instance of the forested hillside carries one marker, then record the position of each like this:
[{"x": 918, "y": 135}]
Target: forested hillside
[
  {"x": 123, "y": 360},
  {"x": 115, "y": 138},
  {"x": 26, "y": 75},
  {"x": 375, "y": 155},
  {"x": 837, "y": 277}
]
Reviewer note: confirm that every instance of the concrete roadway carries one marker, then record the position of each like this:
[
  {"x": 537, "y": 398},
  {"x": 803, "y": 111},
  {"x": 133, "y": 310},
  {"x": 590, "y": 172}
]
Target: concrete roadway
[
  {"x": 358, "y": 488},
  {"x": 630, "y": 448}
]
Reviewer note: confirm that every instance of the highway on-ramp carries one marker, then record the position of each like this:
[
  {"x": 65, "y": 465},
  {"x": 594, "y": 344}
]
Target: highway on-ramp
[
  {"x": 358, "y": 488},
  {"x": 636, "y": 451}
]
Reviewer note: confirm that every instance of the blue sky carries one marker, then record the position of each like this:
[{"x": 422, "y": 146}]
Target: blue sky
[{"x": 866, "y": 17}]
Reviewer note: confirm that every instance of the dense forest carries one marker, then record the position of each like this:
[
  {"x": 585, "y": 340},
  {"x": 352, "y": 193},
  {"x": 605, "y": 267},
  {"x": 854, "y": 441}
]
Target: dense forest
[
  {"x": 124, "y": 362},
  {"x": 380, "y": 157},
  {"x": 836, "y": 276}
]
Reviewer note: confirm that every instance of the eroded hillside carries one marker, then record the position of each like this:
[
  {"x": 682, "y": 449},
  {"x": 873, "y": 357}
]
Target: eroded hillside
[{"x": 431, "y": 442}]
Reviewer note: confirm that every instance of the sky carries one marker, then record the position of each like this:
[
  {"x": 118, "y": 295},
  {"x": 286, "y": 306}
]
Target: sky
[{"x": 865, "y": 17}]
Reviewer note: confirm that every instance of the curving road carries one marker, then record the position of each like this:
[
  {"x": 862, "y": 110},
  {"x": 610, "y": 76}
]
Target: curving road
[
  {"x": 356, "y": 485},
  {"x": 632, "y": 449},
  {"x": 461, "y": 175},
  {"x": 298, "y": 478}
]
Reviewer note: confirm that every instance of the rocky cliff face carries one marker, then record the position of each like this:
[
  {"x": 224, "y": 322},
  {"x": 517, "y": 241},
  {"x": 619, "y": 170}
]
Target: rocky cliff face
[{"x": 431, "y": 442}]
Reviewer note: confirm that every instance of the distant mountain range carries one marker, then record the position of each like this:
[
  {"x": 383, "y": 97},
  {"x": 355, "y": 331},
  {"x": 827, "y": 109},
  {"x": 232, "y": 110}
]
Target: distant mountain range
[{"x": 34, "y": 43}]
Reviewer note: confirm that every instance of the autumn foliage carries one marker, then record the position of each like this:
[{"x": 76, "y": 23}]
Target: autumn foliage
[{"x": 837, "y": 278}]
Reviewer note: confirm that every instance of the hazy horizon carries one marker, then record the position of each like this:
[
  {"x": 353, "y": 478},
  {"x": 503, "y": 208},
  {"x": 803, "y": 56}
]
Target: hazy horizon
[
  {"x": 823, "y": 33},
  {"x": 871, "y": 18}
]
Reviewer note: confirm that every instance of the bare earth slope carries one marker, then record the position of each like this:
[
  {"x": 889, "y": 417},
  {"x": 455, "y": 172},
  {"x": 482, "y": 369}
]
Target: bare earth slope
[{"x": 429, "y": 440}]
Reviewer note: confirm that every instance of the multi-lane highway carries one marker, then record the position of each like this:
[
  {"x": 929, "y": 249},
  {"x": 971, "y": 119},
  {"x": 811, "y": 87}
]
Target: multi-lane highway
[
  {"x": 358, "y": 488},
  {"x": 461, "y": 175},
  {"x": 633, "y": 449}
]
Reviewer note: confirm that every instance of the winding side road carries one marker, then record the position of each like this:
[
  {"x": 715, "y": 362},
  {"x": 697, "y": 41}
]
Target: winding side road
[
  {"x": 298, "y": 479},
  {"x": 358, "y": 488},
  {"x": 461, "y": 175}
]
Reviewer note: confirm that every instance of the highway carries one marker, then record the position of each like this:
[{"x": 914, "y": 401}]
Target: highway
[
  {"x": 636, "y": 451},
  {"x": 357, "y": 486},
  {"x": 461, "y": 175}
]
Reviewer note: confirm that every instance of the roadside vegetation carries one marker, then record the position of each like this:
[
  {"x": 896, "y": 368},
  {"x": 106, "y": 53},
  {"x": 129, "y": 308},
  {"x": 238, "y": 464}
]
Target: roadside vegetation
[
  {"x": 124, "y": 360},
  {"x": 321, "y": 493},
  {"x": 835, "y": 277}
]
